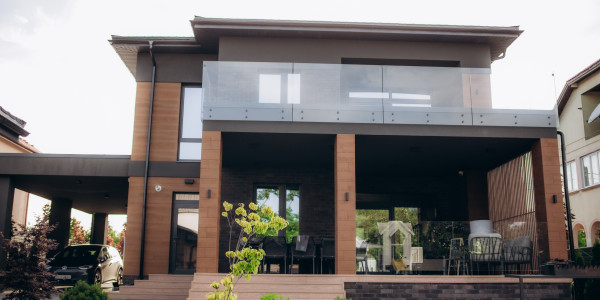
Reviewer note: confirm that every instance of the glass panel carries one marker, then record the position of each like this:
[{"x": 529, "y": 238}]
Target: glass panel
[
  {"x": 190, "y": 151},
  {"x": 186, "y": 238},
  {"x": 594, "y": 169},
  {"x": 585, "y": 164},
  {"x": 191, "y": 125},
  {"x": 268, "y": 197},
  {"x": 292, "y": 214}
]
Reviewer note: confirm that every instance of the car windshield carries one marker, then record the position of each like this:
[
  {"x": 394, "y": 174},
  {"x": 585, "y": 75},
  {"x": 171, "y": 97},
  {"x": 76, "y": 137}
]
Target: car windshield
[{"x": 77, "y": 256}]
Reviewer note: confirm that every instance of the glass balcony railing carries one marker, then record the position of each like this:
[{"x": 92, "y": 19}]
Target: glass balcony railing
[{"x": 299, "y": 92}]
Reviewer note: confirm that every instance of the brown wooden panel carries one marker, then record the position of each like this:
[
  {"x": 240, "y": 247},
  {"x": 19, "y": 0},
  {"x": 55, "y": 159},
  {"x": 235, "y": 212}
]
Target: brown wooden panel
[
  {"x": 345, "y": 208},
  {"x": 165, "y": 121},
  {"x": 158, "y": 223}
]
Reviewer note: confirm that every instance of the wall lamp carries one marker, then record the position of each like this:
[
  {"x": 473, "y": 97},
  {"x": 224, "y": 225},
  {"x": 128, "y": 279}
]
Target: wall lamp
[
  {"x": 188, "y": 181},
  {"x": 554, "y": 199},
  {"x": 208, "y": 193},
  {"x": 347, "y": 196}
]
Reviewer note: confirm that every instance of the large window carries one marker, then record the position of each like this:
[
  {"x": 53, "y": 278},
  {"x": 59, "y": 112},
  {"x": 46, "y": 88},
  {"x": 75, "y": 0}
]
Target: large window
[
  {"x": 285, "y": 202},
  {"x": 190, "y": 133},
  {"x": 591, "y": 169},
  {"x": 572, "y": 176}
]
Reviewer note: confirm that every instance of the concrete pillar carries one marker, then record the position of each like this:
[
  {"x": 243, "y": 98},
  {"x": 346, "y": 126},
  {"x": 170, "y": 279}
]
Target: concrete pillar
[
  {"x": 345, "y": 204},
  {"x": 60, "y": 216},
  {"x": 6, "y": 204},
  {"x": 477, "y": 195},
  {"x": 209, "y": 213},
  {"x": 550, "y": 216},
  {"x": 99, "y": 228}
]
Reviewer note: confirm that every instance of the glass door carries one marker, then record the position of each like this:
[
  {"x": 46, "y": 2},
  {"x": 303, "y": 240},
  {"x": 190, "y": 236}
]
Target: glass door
[{"x": 184, "y": 234}]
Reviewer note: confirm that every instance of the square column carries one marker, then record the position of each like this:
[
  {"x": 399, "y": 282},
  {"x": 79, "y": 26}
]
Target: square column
[
  {"x": 60, "y": 215},
  {"x": 99, "y": 228},
  {"x": 209, "y": 212},
  {"x": 550, "y": 216},
  {"x": 345, "y": 204}
]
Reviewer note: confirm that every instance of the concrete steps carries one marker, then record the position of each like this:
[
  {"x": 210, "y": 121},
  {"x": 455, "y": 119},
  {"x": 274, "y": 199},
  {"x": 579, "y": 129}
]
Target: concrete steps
[
  {"x": 156, "y": 287},
  {"x": 296, "y": 287}
]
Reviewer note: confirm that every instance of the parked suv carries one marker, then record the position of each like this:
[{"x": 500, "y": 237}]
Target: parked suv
[{"x": 94, "y": 264}]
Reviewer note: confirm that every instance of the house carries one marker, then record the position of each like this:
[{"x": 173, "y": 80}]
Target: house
[
  {"x": 577, "y": 105},
  {"x": 336, "y": 124},
  {"x": 12, "y": 129}
]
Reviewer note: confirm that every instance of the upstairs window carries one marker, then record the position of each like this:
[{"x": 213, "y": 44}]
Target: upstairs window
[
  {"x": 591, "y": 169},
  {"x": 572, "y": 176},
  {"x": 190, "y": 133}
]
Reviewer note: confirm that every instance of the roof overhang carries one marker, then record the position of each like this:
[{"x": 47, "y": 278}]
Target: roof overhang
[
  {"x": 13, "y": 125},
  {"x": 571, "y": 84}
]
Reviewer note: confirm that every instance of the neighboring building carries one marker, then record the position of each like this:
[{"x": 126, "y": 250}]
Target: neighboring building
[
  {"x": 11, "y": 131},
  {"x": 333, "y": 118},
  {"x": 579, "y": 99}
]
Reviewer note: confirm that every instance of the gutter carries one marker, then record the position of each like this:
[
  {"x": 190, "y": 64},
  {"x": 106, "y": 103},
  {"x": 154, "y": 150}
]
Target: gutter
[
  {"x": 147, "y": 168},
  {"x": 567, "y": 201}
]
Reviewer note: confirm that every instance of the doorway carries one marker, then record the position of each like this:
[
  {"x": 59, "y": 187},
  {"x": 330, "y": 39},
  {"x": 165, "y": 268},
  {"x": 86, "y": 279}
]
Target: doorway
[{"x": 184, "y": 233}]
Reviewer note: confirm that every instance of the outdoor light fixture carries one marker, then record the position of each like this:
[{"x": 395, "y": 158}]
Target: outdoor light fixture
[
  {"x": 188, "y": 181},
  {"x": 347, "y": 196},
  {"x": 208, "y": 193},
  {"x": 158, "y": 188},
  {"x": 554, "y": 199}
]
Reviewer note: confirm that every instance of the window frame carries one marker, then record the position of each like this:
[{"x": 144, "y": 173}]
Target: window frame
[
  {"x": 180, "y": 138},
  {"x": 283, "y": 188},
  {"x": 589, "y": 181},
  {"x": 572, "y": 180}
]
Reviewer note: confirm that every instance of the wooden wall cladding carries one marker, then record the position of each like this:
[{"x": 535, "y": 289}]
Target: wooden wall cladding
[
  {"x": 158, "y": 223},
  {"x": 165, "y": 121}
]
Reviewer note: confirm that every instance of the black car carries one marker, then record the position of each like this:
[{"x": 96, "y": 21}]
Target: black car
[{"x": 94, "y": 264}]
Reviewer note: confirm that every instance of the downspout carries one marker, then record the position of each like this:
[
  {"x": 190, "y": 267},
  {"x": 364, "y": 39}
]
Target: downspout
[
  {"x": 567, "y": 202},
  {"x": 147, "y": 166}
]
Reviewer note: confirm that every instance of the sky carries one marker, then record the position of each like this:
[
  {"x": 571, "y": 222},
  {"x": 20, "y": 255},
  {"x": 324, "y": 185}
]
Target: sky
[{"x": 59, "y": 73}]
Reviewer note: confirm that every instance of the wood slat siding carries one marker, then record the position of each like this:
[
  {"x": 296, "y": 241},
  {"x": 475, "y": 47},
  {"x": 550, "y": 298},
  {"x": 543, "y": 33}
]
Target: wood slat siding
[
  {"x": 512, "y": 200},
  {"x": 158, "y": 222},
  {"x": 165, "y": 121}
]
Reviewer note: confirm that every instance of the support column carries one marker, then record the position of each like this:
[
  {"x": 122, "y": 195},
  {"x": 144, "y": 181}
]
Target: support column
[
  {"x": 210, "y": 203},
  {"x": 99, "y": 228},
  {"x": 550, "y": 216},
  {"x": 60, "y": 215},
  {"x": 6, "y": 205},
  {"x": 345, "y": 204}
]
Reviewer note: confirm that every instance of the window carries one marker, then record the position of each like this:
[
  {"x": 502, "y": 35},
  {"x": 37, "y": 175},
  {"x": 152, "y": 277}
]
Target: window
[
  {"x": 282, "y": 198},
  {"x": 572, "y": 176},
  {"x": 190, "y": 133},
  {"x": 591, "y": 174}
]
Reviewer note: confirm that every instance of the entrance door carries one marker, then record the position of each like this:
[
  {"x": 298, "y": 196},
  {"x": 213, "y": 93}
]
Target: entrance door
[{"x": 184, "y": 234}]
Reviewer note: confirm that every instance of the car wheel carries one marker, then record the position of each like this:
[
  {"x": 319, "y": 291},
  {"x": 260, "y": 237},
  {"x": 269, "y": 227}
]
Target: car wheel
[
  {"x": 98, "y": 277},
  {"x": 120, "y": 277}
]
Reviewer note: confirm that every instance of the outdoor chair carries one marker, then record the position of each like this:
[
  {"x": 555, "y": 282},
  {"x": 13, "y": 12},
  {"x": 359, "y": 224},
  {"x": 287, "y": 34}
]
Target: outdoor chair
[
  {"x": 518, "y": 252},
  {"x": 303, "y": 249},
  {"x": 457, "y": 258},
  {"x": 327, "y": 253},
  {"x": 361, "y": 256},
  {"x": 276, "y": 252},
  {"x": 485, "y": 250}
]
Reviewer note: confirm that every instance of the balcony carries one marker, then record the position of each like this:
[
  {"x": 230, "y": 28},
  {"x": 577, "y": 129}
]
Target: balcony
[{"x": 366, "y": 94}]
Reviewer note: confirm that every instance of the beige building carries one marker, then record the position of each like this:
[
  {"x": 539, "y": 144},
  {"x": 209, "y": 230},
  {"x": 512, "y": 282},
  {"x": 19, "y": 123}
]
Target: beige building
[
  {"x": 578, "y": 108},
  {"x": 11, "y": 130}
]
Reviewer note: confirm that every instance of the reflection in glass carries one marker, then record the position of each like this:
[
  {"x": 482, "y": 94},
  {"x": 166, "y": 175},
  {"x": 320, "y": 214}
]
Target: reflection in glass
[{"x": 187, "y": 238}]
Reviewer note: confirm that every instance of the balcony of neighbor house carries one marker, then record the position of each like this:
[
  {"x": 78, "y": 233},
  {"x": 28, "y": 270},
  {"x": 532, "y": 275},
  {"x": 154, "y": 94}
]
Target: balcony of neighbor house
[{"x": 416, "y": 192}]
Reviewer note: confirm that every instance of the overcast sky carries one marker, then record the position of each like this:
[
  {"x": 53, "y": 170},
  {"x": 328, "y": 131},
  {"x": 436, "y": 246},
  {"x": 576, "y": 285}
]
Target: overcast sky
[{"x": 59, "y": 73}]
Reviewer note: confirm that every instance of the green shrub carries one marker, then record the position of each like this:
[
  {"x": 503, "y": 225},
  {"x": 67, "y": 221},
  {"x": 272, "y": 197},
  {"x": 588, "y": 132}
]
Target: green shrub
[
  {"x": 84, "y": 291},
  {"x": 273, "y": 296},
  {"x": 338, "y": 298}
]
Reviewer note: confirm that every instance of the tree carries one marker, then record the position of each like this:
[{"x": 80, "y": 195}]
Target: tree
[
  {"x": 78, "y": 235},
  {"x": 121, "y": 244},
  {"x": 26, "y": 273}
]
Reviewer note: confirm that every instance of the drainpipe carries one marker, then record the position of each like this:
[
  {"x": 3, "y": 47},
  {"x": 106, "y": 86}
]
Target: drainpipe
[
  {"x": 147, "y": 167},
  {"x": 567, "y": 202}
]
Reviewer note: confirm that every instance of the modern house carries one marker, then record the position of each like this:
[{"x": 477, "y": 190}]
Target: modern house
[
  {"x": 578, "y": 114},
  {"x": 342, "y": 126},
  {"x": 12, "y": 129}
]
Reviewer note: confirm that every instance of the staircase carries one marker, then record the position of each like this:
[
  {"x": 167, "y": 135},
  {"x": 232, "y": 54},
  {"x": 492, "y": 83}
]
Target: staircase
[
  {"x": 157, "y": 286},
  {"x": 296, "y": 287}
]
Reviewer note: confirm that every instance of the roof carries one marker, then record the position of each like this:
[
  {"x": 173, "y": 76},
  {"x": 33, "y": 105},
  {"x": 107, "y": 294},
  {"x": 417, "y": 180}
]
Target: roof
[
  {"x": 571, "y": 84},
  {"x": 12, "y": 123},
  {"x": 207, "y": 32}
]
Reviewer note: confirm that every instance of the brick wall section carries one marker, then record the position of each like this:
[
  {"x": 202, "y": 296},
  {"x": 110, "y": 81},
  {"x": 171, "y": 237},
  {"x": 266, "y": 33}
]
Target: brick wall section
[
  {"x": 345, "y": 210},
  {"x": 413, "y": 291},
  {"x": 550, "y": 216},
  {"x": 158, "y": 223},
  {"x": 316, "y": 197},
  {"x": 165, "y": 121},
  {"x": 209, "y": 208}
]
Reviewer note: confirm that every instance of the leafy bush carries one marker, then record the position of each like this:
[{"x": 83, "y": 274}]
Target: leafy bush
[
  {"x": 273, "y": 296},
  {"x": 338, "y": 298},
  {"x": 26, "y": 273},
  {"x": 84, "y": 291}
]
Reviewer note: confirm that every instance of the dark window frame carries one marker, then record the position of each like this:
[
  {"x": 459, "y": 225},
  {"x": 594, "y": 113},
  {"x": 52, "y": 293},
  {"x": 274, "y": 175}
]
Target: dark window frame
[{"x": 181, "y": 139}]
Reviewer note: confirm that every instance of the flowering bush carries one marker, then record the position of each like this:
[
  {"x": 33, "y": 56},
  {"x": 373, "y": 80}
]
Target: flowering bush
[{"x": 244, "y": 260}]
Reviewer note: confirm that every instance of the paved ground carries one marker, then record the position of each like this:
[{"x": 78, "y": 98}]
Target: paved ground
[{"x": 106, "y": 287}]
